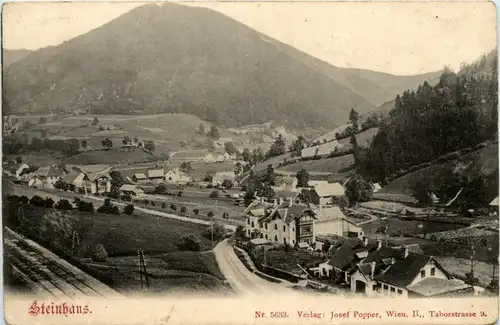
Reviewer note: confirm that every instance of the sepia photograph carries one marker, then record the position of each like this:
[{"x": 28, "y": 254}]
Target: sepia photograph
[{"x": 267, "y": 162}]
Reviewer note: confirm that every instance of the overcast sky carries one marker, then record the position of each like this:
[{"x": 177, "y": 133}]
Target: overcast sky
[{"x": 399, "y": 38}]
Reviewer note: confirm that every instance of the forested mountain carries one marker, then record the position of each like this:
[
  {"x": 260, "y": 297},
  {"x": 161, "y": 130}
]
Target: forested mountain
[
  {"x": 460, "y": 111},
  {"x": 173, "y": 58}
]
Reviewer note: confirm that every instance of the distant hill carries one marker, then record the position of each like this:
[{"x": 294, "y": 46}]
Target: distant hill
[
  {"x": 11, "y": 56},
  {"x": 154, "y": 59}
]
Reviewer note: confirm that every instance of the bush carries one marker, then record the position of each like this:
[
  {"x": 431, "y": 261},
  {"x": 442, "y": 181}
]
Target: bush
[
  {"x": 210, "y": 214},
  {"x": 37, "y": 201},
  {"x": 214, "y": 194},
  {"x": 179, "y": 194},
  {"x": 146, "y": 202},
  {"x": 99, "y": 254},
  {"x": 49, "y": 203},
  {"x": 108, "y": 208},
  {"x": 84, "y": 206},
  {"x": 63, "y": 204},
  {"x": 173, "y": 207},
  {"x": 227, "y": 184},
  {"x": 128, "y": 209},
  {"x": 219, "y": 232},
  {"x": 189, "y": 243},
  {"x": 24, "y": 199},
  {"x": 196, "y": 212},
  {"x": 160, "y": 189},
  {"x": 113, "y": 194},
  {"x": 127, "y": 198},
  {"x": 152, "y": 203},
  {"x": 163, "y": 205},
  {"x": 183, "y": 209}
]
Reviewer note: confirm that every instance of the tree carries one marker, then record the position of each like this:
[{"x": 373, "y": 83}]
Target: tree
[
  {"x": 355, "y": 150},
  {"x": 249, "y": 197},
  {"x": 298, "y": 145},
  {"x": 150, "y": 146},
  {"x": 95, "y": 121},
  {"x": 84, "y": 144},
  {"x": 99, "y": 254},
  {"x": 240, "y": 232},
  {"x": 270, "y": 176},
  {"x": 422, "y": 192},
  {"x": 160, "y": 189},
  {"x": 19, "y": 159},
  {"x": 302, "y": 178},
  {"x": 238, "y": 168},
  {"x": 326, "y": 246},
  {"x": 186, "y": 167},
  {"x": 37, "y": 201},
  {"x": 227, "y": 184},
  {"x": 107, "y": 143},
  {"x": 201, "y": 129},
  {"x": 278, "y": 147},
  {"x": 189, "y": 243},
  {"x": 117, "y": 181},
  {"x": 246, "y": 154},
  {"x": 230, "y": 148},
  {"x": 354, "y": 118},
  {"x": 218, "y": 229},
  {"x": 42, "y": 120},
  {"x": 49, "y": 203},
  {"x": 208, "y": 177},
  {"x": 108, "y": 208},
  {"x": 266, "y": 191},
  {"x": 63, "y": 204},
  {"x": 214, "y": 194},
  {"x": 126, "y": 140},
  {"x": 128, "y": 209},
  {"x": 214, "y": 133},
  {"x": 136, "y": 140},
  {"x": 358, "y": 189}
]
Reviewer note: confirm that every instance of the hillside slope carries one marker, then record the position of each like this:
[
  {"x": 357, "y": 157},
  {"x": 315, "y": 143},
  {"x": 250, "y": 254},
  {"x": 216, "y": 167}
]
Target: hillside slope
[
  {"x": 217, "y": 69},
  {"x": 11, "y": 56}
]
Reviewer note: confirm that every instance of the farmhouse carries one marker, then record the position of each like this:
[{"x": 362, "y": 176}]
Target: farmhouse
[
  {"x": 75, "y": 178},
  {"x": 15, "y": 170},
  {"x": 177, "y": 176},
  {"x": 139, "y": 177},
  {"x": 96, "y": 178},
  {"x": 326, "y": 194},
  {"x": 220, "y": 177},
  {"x": 285, "y": 183},
  {"x": 332, "y": 221},
  {"x": 155, "y": 174},
  {"x": 45, "y": 177},
  {"x": 285, "y": 223},
  {"x": 132, "y": 190}
]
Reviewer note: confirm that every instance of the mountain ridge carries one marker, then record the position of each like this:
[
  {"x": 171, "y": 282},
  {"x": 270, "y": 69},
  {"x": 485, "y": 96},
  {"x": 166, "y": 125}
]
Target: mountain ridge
[{"x": 216, "y": 68}]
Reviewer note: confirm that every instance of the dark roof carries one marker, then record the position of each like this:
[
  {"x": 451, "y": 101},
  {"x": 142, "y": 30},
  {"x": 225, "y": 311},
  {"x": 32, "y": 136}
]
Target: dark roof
[
  {"x": 283, "y": 193},
  {"x": 404, "y": 270},
  {"x": 71, "y": 176},
  {"x": 344, "y": 257}
]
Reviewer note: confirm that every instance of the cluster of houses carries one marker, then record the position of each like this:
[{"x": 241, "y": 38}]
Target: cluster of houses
[
  {"x": 90, "y": 179},
  {"x": 378, "y": 270},
  {"x": 178, "y": 177},
  {"x": 297, "y": 216}
]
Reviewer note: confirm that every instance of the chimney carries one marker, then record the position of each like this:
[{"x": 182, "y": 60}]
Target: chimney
[
  {"x": 379, "y": 244},
  {"x": 405, "y": 252},
  {"x": 365, "y": 241},
  {"x": 262, "y": 200},
  {"x": 372, "y": 264},
  {"x": 290, "y": 200}
]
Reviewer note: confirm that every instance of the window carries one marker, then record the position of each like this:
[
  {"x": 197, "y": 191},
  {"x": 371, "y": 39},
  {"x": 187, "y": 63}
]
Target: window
[
  {"x": 293, "y": 229},
  {"x": 266, "y": 236},
  {"x": 253, "y": 225},
  {"x": 393, "y": 289},
  {"x": 433, "y": 271},
  {"x": 265, "y": 226},
  {"x": 293, "y": 242},
  {"x": 260, "y": 224},
  {"x": 386, "y": 287},
  {"x": 400, "y": 292},
  {"x": 275, "y": 227},
  {"x": 275, "y": 238},
  {"x": 422, "y": 273},
  {"x": 248, "y": 221},
  {"x": 284, "y": 228}
]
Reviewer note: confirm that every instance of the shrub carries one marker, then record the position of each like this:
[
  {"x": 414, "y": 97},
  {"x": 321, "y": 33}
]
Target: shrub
[
  {"x": 163, "y": 205},
  {"x": 183, "y": 209},
  {"x": 196, "y": 212},
  {"x": 128, "y": 209},
  {"x": 99, "y": 254},
  {"x": 173, "y": 207},
  {"x": 24, "y": 199},
  {"x": 210, "y": 214},
  {"x": 113, "y": 194},
  {"x": 189, "y": 243},
  {"x": 214, "y": 194},
  {"x": 63, "y": 204},
  {"x": 152, "y": 203},
  {"x": 146, "y": 202},
  {"x": 108, "y": 208},
  {"x": 37, "y": 201},
  {"x": 160, "y": 189},
  {"x": 49, "y": 203},
  {"x": 219, "y": 232},
  {"x": 227, "y": 183},
  {"x": 179, "y": 194},
  {"x": 127, "y": 198}
]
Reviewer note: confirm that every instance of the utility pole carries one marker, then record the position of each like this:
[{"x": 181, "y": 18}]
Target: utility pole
[{"x": 142, "y": 270}]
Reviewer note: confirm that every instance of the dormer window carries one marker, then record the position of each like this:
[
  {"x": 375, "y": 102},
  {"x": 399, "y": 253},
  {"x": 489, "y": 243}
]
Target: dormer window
[
  {"x": 422, "y": 273},
  {"x": 433, "y": 271}
]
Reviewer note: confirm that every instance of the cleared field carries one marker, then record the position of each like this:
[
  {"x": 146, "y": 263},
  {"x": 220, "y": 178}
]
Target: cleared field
[
  {"x": 330, "y": 165},
  {"x": 288, "y": 261},
  {"x": 364, "y": 139},
  {"x": 398, "y": 227},
  {"x": 460, "y": 266},
  {"x": 272, "y": 161},
  {"x": 200, "y": 169},
  {"x": 112, "y": 156},
  {"x": 485, "y": 160}
]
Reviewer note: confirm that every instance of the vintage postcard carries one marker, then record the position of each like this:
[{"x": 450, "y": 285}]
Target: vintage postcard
[{"x": 206, "y": 163}]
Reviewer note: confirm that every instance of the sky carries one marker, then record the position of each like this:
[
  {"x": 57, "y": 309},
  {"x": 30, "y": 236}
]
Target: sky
[{"x": 401, "y": 38}]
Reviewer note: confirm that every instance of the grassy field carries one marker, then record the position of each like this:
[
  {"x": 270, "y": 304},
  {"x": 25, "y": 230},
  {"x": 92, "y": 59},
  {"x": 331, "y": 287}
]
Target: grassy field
[
  {"x": 413, "y": 227},
  {"x": 332, "y": 165},
  {"x": 485, "y": 159},
  {"x": 200, "y": 169},
  {"x": 458, "y": 267},
  {"x": 364, "y": 139},
  {"x": 288, "y": 261},
  {"x": 111, "y": 156}
]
